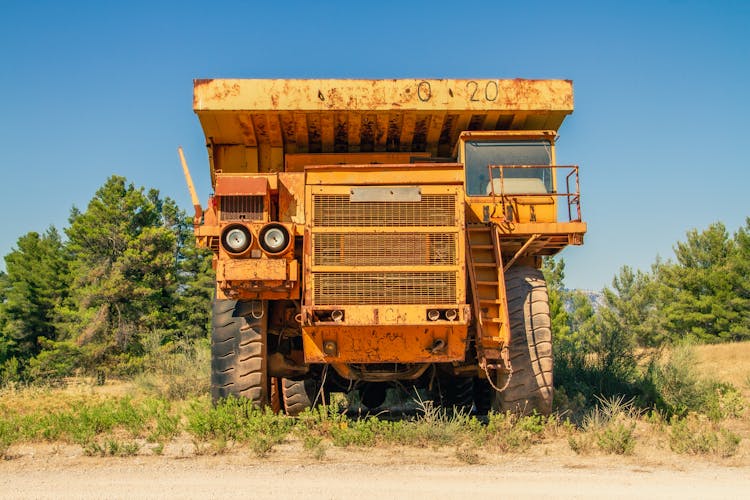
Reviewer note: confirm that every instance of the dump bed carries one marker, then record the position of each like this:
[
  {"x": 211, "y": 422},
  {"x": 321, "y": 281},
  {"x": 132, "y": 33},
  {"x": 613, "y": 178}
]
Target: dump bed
[{"x": 251, "y": 124}]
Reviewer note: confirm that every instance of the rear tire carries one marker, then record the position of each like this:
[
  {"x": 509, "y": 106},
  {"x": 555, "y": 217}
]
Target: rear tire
[
  {"x": 238, "y": 351},
  {"x": 530, "y": 386},
  {"x": 298, "y": 395},
  {"x": 457, "y": 393}
]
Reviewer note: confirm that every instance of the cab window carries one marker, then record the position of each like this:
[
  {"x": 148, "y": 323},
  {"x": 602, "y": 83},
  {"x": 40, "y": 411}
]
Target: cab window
[{"x": 480, "y": 154}]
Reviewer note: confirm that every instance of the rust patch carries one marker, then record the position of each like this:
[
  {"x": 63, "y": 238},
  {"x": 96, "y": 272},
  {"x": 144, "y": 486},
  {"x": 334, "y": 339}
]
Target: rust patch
[
  {"x": 201, "y": 81},
  {"x": 235, "y": 185}
]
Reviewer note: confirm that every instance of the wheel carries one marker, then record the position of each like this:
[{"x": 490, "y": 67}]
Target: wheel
[
  {"x": 456, "y": 392},
  {"x": 530, "y": 385},
  {"x": 238, "y": 351},
  {"x": 299, "y": 395},
  {"x": 482, "y": 394}
]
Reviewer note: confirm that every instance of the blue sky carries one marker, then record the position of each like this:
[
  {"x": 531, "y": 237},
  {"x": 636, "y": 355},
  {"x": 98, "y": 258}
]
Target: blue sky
[{"x": 91, "y": 89}]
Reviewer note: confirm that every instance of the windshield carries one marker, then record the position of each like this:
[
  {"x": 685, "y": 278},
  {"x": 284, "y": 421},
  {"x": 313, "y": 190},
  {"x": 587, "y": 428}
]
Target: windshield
[{"x": 480, "y": 154}]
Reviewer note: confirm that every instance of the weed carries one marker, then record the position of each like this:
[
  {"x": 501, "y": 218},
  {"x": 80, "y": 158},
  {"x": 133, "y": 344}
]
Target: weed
[
  {"x": 611, "y": 425},
  {"x": 723, "y": 401},
  {"x": 581, "y": 444},
  {"x": 314, "y": 446},
  {"x": 617, "y": 438},
  {"x": 261, "y": 445},
  {"x": 166, "y": 425},
  {"x": 158, "y": 449},
  {"x": 8, "y": 435},
  {"x": 468, "y": 455},
  {"x": 110, "y": 447},
  {"x": 509, "y": 431},
  {"x": 695, "y": 435}
]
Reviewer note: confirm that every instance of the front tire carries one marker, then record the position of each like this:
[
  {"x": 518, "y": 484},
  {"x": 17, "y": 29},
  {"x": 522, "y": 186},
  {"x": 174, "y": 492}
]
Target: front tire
[
  {"x": 530, "y": 387},
  {"x": 238, "y": 351}
]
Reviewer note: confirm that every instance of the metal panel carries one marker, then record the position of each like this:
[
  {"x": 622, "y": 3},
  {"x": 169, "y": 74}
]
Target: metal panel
[
  {"x": 235, "y": 208},
  {"x": 384, "y": 249},
  {"x": 405, "y": 193},
  {"x": 338, "y": 210},
  {"x": 370, "y": 115},
  {"x": 384, "y": 288}
]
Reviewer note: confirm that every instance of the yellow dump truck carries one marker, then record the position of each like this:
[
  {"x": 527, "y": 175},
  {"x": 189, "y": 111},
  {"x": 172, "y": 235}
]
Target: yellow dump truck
[{"x": 369, "y": 233}]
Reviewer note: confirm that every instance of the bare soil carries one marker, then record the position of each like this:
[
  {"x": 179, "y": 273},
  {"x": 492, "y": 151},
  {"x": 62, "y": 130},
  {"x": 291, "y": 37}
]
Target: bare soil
[{"x": 63, "y": 471}]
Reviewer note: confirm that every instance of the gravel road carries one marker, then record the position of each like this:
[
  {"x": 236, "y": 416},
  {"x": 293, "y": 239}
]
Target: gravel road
[{"x": 412, "y": 474}]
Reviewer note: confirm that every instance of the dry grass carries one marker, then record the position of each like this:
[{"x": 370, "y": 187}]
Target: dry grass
[
  {"x": 164, "y": 422},
  {"x": 726, "y": 363}
]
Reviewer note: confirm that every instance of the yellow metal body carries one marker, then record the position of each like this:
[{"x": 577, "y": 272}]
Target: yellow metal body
[
  {"x": 384, "y": 245},
  {"x": 367, "y": 178}
]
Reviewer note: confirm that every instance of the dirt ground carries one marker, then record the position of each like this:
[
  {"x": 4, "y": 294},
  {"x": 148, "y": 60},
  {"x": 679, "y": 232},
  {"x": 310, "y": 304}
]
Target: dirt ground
[{"x": 61, "y": 471}]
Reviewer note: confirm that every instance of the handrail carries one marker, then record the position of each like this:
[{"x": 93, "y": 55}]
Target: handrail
[{"x": 572, "y": 197}]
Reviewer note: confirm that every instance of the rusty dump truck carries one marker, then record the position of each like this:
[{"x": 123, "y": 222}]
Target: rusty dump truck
[{"x": 378, "y": 233}]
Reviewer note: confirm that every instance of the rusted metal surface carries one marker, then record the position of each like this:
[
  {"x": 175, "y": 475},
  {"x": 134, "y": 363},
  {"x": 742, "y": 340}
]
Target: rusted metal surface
[
  {"x": 241, "y": 185},
  {"x": 385, "y": 344},
  {"x": 271, "y": 118},
  {"x": 383, "y": 260},
  {"x": 368, "y": 178},
  {"x": 571, "y": 195},
  {"x": 190, "y": 185}
]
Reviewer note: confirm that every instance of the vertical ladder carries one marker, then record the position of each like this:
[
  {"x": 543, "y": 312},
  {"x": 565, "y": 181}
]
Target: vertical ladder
[{"x": 488, "y": 289}]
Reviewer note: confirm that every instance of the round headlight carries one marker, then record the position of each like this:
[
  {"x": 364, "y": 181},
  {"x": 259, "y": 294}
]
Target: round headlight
[
  {"x": 274, "y": 238},
  {"x": 236, "y": 239}
]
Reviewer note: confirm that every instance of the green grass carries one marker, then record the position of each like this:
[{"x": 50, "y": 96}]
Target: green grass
[{"x": 686, "y": 410}]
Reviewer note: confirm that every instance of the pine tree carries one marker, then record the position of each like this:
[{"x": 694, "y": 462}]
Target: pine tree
[
  {"x": 701, "y": 286},
  {"x": 35, "y": 283},
  {"x": 123, "y": 250}
]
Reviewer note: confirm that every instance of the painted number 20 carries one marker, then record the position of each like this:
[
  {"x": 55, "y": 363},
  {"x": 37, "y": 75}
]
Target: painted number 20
[{"x": 475, "y": 91}]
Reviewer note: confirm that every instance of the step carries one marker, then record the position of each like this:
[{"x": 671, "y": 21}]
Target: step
[
  {"x": 491, "y": 301},
  {"x": 481, "y": 247},
  {"x": 487, "y": 283},
  {"x": 485, "y": 264}
]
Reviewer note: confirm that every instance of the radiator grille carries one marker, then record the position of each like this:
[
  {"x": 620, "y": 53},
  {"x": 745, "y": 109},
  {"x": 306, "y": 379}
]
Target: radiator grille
[
  {"x": 384, "y": 288},
  {"x": 241, "y": 208},
  {"x": 330, "y": 210},
  {"x": 388, "y": 249}
]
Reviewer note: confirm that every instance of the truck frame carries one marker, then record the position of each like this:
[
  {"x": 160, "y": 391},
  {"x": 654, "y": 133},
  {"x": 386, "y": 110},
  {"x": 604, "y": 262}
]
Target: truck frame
[{"x": 376, "y": 232}]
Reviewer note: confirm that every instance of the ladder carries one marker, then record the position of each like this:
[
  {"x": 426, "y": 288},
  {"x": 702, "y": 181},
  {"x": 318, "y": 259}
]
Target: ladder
[{"x": 487, "y": 280}]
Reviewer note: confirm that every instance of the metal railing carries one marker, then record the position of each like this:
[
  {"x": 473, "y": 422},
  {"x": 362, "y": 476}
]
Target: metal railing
[{"x": 573, "y": 198}]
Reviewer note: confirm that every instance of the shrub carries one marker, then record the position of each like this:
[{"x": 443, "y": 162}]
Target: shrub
[
  {"x": 611, "y": 425},
  {"x": 675, "y": 388},
  {"x": 695, "y": 435}
]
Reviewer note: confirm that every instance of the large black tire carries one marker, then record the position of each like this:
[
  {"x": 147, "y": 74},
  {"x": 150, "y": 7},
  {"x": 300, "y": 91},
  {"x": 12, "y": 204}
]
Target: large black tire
[
  {"x": 530, "y": 386},
  {"x": 238, "y": 351},
  {"x": 456, "y": 393},
  {"x": 299, "y": 395}
]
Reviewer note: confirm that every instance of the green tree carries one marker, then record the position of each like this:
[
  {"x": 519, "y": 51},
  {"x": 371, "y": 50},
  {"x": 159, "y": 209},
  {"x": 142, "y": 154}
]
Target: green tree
[
  {"x": 125, "y": 270},
  {"x": 739, "y": 277},
  {"x": 35, "y": 283},
  {"x": 554, "y": 274},
  {"x": 701, "y": 300}
]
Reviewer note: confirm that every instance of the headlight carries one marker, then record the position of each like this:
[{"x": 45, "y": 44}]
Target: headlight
[
  {"x": 274, "y": 238},
  {"x": 236, "y": 239}
]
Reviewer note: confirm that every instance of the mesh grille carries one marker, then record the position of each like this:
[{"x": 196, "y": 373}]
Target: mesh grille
[
  {"x": 241, "y": 208},
  {"x": 384, "y": 288},
  {"x": 389, "y": 249},
  {"x": 336, "y": 210}
]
